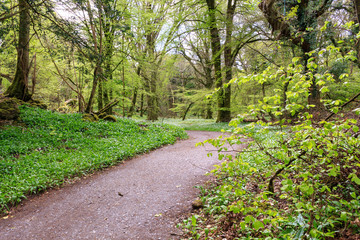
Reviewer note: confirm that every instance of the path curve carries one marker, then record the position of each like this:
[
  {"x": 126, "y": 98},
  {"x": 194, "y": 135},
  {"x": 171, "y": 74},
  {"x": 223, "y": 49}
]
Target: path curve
[{"x": 139, "y": 199}]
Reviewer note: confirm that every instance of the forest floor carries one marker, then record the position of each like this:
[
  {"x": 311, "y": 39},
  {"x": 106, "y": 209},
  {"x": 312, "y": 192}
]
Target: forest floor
[{"x": 142, "y": 198}]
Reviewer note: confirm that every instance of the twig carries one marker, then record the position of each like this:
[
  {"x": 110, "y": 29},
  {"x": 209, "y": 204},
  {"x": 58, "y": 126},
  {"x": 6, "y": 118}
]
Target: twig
[{"x": 342, "y": 106}]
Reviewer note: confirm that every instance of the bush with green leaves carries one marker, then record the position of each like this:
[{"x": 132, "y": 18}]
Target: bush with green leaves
[
  {"x": 298, "y": 181},
  {"x": 55, "y": 147}
]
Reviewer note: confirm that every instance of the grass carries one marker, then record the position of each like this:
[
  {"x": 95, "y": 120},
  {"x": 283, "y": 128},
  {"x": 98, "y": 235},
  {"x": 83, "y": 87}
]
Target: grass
[
  {"x": 54, "y": 147},
  {"x": 198, "y": 124}
]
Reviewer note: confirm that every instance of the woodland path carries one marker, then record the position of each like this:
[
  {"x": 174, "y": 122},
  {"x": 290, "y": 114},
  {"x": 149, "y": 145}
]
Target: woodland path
[{"x": 141, "y": 198}]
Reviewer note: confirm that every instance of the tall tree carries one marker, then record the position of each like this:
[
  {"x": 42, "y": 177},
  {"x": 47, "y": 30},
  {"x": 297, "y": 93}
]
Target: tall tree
[
  {"x": 216, "y": 59},
  {"x": 233, "y": 41},
  {"x": 156, "y": 24},
  {"x": 19, "y": 86},
  {"x": 299, "y": 30}
]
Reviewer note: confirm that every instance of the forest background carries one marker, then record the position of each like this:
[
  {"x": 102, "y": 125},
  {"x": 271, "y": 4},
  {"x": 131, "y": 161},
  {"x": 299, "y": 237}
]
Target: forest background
[{"x": 172, "y": 58}]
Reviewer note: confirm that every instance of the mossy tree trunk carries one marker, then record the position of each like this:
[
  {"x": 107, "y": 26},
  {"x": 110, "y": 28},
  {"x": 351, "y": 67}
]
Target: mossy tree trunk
[
  {"x": 19, "y": 86},
  {"x": 109, "y": 33},
  {"x": 216, "y": 55},
  {"x": 151, "y": 76},
  {"x": 142, "y": 105},
  {"x": 228, "y": 59},
  {"x": 152, "y": 107}
]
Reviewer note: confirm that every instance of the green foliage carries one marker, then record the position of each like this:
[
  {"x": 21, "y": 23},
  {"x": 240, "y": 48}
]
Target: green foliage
[
  {"x": 199, "y": 124},
  {"x": 291, "y": 183},
  {"x": 299, "y": 181},
  {"x": 55, "y": 147}
]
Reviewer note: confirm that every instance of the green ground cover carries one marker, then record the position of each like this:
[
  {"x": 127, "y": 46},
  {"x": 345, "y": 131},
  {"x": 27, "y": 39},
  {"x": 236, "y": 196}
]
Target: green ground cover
[
  {"x": 198, "y": 124},
  {"x": 292, "y": 182},
  {"x": 51, "y": 148}
]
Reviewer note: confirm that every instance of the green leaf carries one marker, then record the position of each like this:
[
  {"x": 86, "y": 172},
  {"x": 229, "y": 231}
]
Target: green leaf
[
  {"x": 248, "y": 219},
  {"x": 355, "y": 179},
  {"x": 355, "y": 128},
  {"x": 333, "y": 172},
  {"x": 257, "y": 225},
  {"x": 243, "y": 225}
]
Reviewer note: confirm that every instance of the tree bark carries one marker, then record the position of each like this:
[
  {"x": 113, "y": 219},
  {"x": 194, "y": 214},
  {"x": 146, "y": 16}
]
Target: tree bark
[
  {"x": 100, "y": 94},
  {"x": 152, "y": 108},
  {"x": 216, "y": 56},
  {"x": 357, "y": 17},
  {"x": 228, "y": 58},
  {"x": 133, "y": 103},
  {"x": 19, "y": 86},
  {"x": 98, "y": 52},
  {"x": 186, "y": 111},
  {"x": 142, "y": 105},
  {"x": 89, "y": 107}
]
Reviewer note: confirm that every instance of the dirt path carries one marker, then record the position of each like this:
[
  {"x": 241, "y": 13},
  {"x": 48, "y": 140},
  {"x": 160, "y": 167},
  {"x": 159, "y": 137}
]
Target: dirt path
[{"x": 140, "y": 199}]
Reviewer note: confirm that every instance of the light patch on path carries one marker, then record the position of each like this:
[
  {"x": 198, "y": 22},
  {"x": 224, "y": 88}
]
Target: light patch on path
[{"x": 139, "y": 199}]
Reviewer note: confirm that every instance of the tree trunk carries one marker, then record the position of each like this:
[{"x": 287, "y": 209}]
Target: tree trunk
[
  {"x": 19, "y": 86},
  {"x": 225, "y": 115},
  {"x": 284, "y": 99},
  {"x": 216, "y": 56},
  {"x": 133, "y": 103},
  {"x": 209, "y": 113},
  {"x": 89, "y": 107},
  {"x": 152, "y": 108},
  {"x": 186, "y": 111},
  {"x": 100, "y": 94},
  {"x": 357, "y": 18},
  {"x": 142, "y": 105}
]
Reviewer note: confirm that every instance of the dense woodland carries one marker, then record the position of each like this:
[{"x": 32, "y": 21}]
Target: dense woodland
[
  {"x": 172, "y": 58},
  {"x": 291, "y": 67}
]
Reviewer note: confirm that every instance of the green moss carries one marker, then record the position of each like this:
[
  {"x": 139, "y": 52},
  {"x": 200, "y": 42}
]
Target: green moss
[
  {"x": 110, "y": 118},
  {"x": 95, "y": 117},
  {"x": 9, "y": 109},
  {"x": 37, "y": 103},
  {"x": 102, "y": 115},
  {"x": 88, "y": 117}
]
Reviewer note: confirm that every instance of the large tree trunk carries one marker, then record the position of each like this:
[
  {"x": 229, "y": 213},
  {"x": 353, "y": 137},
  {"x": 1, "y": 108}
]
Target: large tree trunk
[
  {"x": 19, "y": 86},
  {"x": 142, "y": 105},
  {"x": 98, "y": 53},
  {"x": 216, "y": 56},
  {"x": 152, "y": 108},
  {"x": 109, "y": 32},
  {"x": 133, "y": 103},
  {"x": 100, "y": 94},
  {"x": 228, "y": 58},
  {"x": 357, "y": 19},
  {"x": 89, "y": 107}
]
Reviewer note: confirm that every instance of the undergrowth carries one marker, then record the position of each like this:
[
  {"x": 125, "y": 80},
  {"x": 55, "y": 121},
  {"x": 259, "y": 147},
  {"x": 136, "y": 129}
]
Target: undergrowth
[
  {"x": 298, "y": 182},
  {"x": 199, "y": 124},
  {"x": 54, "y": 147}
]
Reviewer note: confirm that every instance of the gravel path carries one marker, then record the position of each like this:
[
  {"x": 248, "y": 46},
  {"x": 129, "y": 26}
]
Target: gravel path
[{"x": 139, "y": 199}]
